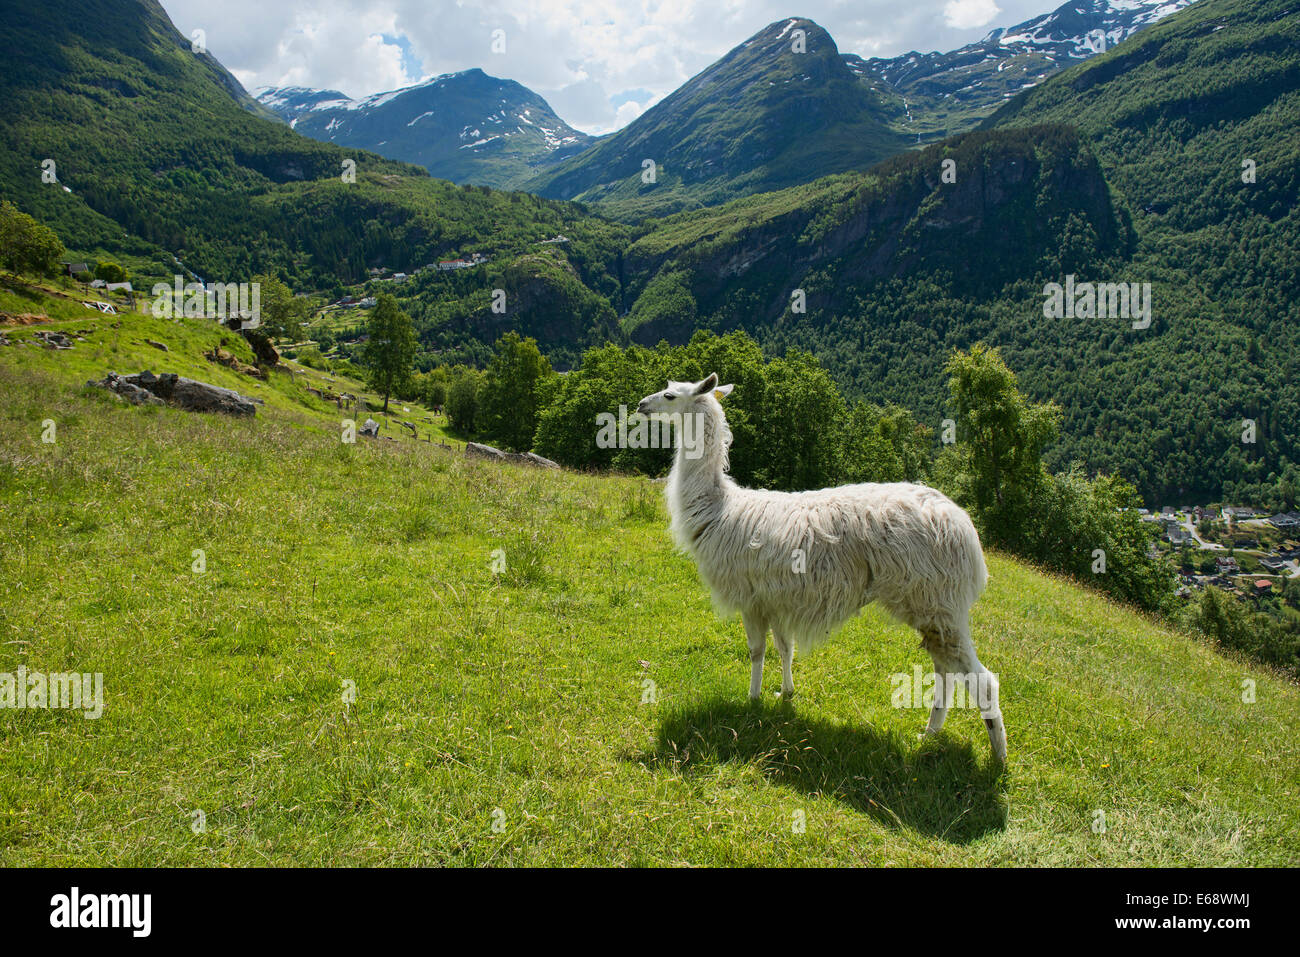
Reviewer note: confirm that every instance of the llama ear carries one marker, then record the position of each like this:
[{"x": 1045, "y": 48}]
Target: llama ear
[
  {"x": 722, "y": 390},
  {"x": 708, "y": 385}
]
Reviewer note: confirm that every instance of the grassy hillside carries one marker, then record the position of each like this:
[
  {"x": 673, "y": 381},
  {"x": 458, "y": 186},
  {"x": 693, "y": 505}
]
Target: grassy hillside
[{"x": 527, "y": 691}]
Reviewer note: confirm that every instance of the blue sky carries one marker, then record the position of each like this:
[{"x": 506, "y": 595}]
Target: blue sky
[{"x": 599, "y": 63}]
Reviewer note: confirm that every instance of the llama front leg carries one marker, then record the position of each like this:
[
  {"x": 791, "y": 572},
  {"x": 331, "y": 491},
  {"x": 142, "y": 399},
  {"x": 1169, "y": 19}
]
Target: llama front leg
[
  {"x": 785, "y": 648},
  {"x": 756, "y": 635},
  {"x": 986, "y": 684},
  {"x": 982, "y": 686}
]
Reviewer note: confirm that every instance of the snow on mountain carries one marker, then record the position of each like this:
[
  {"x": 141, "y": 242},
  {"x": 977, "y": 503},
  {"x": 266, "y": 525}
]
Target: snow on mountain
[{"x": 467, "y": 126}]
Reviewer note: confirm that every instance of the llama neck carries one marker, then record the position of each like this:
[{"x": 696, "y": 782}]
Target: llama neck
[{"x": 698, "y": 475}]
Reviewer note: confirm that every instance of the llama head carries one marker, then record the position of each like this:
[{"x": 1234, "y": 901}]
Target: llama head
[{"x": 683, "y": 397}]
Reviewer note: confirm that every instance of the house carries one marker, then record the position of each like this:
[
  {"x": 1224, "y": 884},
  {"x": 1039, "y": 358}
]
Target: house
[
  {"x": 97, "y": 284},
  {"x": 399, "y": 277},
  {"x": 368, "y": 302},
  {"x": 79, "y": 271},
  {"x": 448, "y": 264},
  {"x": 122, "y": 286},
  {"x": 1226, "y": 566},
  {"x": 1286, "y": 520},
  {"x": 1263, "y": 586}
]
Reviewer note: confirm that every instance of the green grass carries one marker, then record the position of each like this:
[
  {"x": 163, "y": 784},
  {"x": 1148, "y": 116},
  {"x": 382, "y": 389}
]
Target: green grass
[{"x": 527, "y": 691}]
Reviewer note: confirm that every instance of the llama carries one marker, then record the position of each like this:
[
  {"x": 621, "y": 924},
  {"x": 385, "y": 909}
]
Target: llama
[{"x": 803, "y": 563}]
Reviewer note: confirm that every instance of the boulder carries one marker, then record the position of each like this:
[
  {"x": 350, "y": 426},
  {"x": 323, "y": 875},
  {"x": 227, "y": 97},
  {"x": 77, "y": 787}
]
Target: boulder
[
  {"x": 521, "y": 458},
  {"x": 532, "y": 458},
  {"x": 484, "y": 452},
  {"x": 132, "y": 393},
  {"x": 188, "y": 394},
  {"x": 231, "y": 361},
  {"x": 53, "y": 340}
]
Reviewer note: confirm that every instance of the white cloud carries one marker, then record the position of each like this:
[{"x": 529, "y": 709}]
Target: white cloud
[
  {"x": 964, "y": 14},
  {"x": 582, "y": 56}
]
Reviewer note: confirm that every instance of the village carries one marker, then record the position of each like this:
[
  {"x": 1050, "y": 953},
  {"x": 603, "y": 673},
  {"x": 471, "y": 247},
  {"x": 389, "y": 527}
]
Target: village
[{"x": 1239, "y": 549}]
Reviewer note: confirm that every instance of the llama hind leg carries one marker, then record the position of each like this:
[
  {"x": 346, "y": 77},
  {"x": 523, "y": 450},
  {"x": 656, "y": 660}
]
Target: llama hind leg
[
  {"x": 756, "y": 635},
  {"x": 785, "y": 648}
]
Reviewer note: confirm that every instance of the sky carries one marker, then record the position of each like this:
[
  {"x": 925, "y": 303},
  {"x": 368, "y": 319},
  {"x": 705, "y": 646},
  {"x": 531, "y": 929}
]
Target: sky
[{"x": 599, "y": 63}]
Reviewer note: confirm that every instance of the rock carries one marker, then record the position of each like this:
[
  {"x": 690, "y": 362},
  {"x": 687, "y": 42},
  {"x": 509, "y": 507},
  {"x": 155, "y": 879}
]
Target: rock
[
  {"x": 188, "y": 394},
  {"x": 157, "y": 345},
  {"x": 132, "y": 393},
  {"x": 521, "y": 458},
  {"x": 52, "y": 340},
  {"x": 223, "y": 358},
  {"x": 484, "y": 452},
  {"x": 532, "y": 458},
  {"x": 262, "y": 347},
  {"x": 371, "y": 428}
]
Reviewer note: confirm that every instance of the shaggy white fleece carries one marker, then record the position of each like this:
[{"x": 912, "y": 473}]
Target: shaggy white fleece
[{"x": 803, "y": 563}]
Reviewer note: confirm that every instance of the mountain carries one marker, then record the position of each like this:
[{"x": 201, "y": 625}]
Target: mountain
[
  {"x": 763, "y": 117},
  {"x": 1127, "y": 167},
  {"x": 159, "y": 157},
  {"x": 939, "y": 94},
  {"x": 466, "y": 127}
]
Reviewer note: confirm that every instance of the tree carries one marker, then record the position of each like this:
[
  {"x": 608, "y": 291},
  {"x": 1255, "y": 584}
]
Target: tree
[
  {"x": 282, "y": 313},
  {"x": 26, "y": 245},
  {"x": 463, "y": 400},
  {"x": 390, "y": 350},
  {"x": 110, "y": 272},
  {"x": 517, "y": 386},
  {"x": 1000, "y": 441},
  {"x": 803, "y": 414}
]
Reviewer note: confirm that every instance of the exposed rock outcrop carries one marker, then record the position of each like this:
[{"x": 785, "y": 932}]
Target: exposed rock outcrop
[
  {"x": 523, "y": 458},
  {"x": 188, "y": 394}
]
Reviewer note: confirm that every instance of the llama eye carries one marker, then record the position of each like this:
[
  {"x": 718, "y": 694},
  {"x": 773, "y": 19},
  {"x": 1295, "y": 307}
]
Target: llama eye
[{"x": 669, "y": 396}]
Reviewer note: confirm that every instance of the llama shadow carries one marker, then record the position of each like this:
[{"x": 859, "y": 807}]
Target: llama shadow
[{"x": 937, "y": 787}]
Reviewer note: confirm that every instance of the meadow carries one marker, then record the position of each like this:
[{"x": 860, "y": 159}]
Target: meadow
[{"x": 398, "y": 655}]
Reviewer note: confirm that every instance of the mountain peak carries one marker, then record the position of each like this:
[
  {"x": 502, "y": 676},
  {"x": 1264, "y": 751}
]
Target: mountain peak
[{"x": 467, "y": 126}]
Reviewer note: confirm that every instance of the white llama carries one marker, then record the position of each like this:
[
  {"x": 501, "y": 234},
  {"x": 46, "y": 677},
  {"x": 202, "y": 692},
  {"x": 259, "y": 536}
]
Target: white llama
[{"x": 803, "y": 563}]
